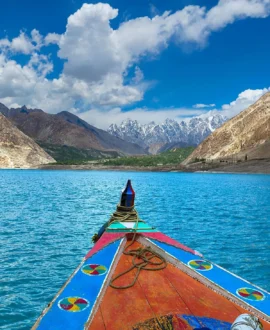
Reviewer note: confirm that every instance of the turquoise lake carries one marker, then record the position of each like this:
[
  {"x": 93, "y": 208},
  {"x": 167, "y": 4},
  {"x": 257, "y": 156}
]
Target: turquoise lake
[{"x": 48, "y": 218}]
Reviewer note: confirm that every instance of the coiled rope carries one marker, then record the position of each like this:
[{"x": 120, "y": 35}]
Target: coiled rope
[
  {"x": 142, "y": 257},
  {"x": 125, "y": 214}
]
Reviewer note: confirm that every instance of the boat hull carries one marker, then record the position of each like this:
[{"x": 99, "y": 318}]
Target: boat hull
[{"x": 189, "y": 293}]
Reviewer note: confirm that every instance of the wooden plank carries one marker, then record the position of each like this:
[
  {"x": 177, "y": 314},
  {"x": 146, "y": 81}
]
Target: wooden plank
[
  {"x": 201, "y": 300},
  {"x": 123, "y": 308},
  {"x": 164, "y": 297},
  {"x": 98, "y": 323},
  {"x": 230, "y": 283},
  {"x": 159, "y": 292}
]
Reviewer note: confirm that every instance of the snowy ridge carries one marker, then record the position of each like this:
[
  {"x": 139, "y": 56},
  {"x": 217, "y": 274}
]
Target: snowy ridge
[{"x": 189, "y": 132}]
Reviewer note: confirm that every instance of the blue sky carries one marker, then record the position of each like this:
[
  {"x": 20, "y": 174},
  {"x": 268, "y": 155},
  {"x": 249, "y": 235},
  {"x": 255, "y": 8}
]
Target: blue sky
[{"x": 140, "y": 62}]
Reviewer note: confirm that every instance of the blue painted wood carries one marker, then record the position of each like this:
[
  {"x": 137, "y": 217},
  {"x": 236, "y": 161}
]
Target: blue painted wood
[
  {"x": 228, "y": 281},
  {"x": 129, "y": 227},
  {"x": 182, "y": 255},
  {"x": 83, "y": 286}
]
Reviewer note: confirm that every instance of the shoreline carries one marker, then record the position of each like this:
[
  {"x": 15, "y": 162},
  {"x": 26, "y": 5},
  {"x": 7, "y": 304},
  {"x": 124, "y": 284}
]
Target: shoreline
[
  {"x": 116, "y": 168},
  {"x": 255, "y": 166}
]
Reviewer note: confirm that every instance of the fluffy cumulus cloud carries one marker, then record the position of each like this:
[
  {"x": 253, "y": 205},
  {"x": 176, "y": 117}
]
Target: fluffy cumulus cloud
[
  {"x": 89, "y": 45},
  {"x": 99, "y": 59},
  {"x": 243, "y": 101},
  {"x": 52, "y": 38},
  {"x": 198, "y": 23},
  {"x": 23, "y": 44},
  {"x": 103, "y": 120}
]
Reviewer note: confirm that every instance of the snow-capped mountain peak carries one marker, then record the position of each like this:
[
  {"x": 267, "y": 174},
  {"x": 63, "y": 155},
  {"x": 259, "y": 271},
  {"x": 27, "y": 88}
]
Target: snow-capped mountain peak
[{"x": 188, "y": 132}]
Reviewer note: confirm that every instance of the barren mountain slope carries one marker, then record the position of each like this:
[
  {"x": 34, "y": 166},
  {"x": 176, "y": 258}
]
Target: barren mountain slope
[
  {"x": 19, "y": 150},
  {"x": 108, "y": 141},
  {"x": 240, "y": 136},
  {"x": 66, "y": 129},
  {"x": 48, "y": 128}
]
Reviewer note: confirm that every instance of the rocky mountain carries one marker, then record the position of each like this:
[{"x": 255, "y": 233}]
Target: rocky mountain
[
  {"x": 157, "y": 137},
  {"x": 4, "y": 110},
  {"x": 246, "y": 136},
  {"x": 66, "y": 129},
  {"x": 18, "y": 150},
  {"x": 107, "y": 140},
  {"x": 173, "y": 146}
]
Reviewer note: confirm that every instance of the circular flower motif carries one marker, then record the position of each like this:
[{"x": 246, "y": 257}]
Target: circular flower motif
[
  {"x": 250, "y": 294},
  {"x": 200, "y": 265},
  {"x": 73, "y": 304},
  {"x": 94, "y": 270}
]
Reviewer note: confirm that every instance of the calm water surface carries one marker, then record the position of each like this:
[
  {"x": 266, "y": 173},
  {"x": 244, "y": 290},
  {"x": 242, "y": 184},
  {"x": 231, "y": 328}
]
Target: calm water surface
[{"x": 48, "y": 218}]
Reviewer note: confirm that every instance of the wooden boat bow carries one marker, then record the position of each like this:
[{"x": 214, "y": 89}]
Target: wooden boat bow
[{"x": 162, "y": 284}]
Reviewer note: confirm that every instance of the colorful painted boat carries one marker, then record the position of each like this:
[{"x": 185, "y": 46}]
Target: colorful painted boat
[{"x": 135, "y": 277}]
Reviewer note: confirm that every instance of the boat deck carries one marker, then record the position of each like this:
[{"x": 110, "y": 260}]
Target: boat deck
[
  {"x": 164, "y": 299},
  {"x": 164, "y": 285},
  {"x": 190, "y": 293}
]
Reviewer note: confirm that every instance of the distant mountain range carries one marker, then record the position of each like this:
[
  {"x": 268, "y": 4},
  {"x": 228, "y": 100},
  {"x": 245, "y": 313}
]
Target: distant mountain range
[
  {"x": 66, "y": 129},
  {"x": 29, "y": 137},
  {"x": 170, "y": 134},
  {"x": 244, "y": 137},
  {"x": 19, "y": 150}
]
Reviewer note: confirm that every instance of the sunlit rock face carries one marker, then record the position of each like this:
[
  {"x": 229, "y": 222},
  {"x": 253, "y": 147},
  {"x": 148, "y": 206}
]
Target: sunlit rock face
[
  {"x": 65, "y": 128},
  {"x": 17, "y": 150},
  {"x": 245, "y": 135}
]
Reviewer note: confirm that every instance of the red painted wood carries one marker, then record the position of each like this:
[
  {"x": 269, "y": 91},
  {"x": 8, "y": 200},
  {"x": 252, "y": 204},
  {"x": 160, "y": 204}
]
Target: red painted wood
[
  {"x": 123, "y": 308},
  {"x": 108, "y": 238},
  {"x": 97, "y": 323},
  {"x": 104, "y": 240},
  {"x": 201, "y": 300},
  {"x": 266, "y": 325},
  {"x": 159, "y": 292},
  {"x": 166, "y": 239}
]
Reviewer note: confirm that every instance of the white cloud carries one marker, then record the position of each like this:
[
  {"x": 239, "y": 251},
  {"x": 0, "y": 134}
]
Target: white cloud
[
  {"x": 138, "y": 77},
  {"x": 201, "y": 105},
  {"x": 28, "y": 85},
  {"x": 4, "y": 43},
  {"x": 23, "y": 44},
  {"x": 52, "y": 38},
  {"x": 243, "y": 101},
  {"x": 24, "y": 81},
  {"x": 40, "y": 64},
  {"x": 95, "y": 52},
  {"x": 37, "y": 39},
  {"x": 103, "y": 119},
  {"x": 197, "y": 23},
  {"x": 88, "y": 44},
  {"x": 99, "y": 58}
]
